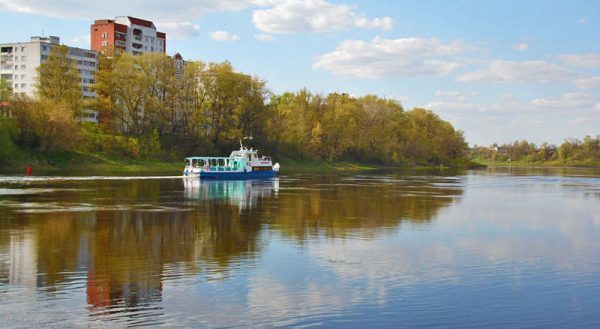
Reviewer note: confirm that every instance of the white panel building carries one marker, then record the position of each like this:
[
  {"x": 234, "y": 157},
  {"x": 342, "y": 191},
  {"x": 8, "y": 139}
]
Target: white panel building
[{"x": 18, "y": 63}]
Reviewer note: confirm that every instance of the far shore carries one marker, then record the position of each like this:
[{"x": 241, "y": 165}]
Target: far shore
[{"x": 75, "y": 163}]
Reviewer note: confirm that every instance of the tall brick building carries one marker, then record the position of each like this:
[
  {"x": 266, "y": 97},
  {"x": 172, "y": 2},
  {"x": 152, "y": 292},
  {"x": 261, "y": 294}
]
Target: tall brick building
[{"x": 127, "y": 34}]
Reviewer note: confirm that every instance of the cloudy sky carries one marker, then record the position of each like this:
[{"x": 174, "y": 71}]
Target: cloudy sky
[{"x": 499, "y": 70}]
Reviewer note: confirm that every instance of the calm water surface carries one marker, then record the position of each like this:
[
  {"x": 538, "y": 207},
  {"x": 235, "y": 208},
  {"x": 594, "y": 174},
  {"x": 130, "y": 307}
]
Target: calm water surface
[{"x": 493, "y": 248}]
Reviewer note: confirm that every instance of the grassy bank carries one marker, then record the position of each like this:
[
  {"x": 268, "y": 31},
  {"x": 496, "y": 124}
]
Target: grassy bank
[
  {"x": 81, "y": 163},
  {"x": 99, "y": 164},
  {"x": 551, "y": 163}
]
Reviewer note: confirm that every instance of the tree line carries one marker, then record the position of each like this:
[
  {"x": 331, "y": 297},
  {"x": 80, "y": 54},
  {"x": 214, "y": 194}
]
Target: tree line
[
  {"x": 150, "y": 105},
  {"x": 571, "y": 151}
]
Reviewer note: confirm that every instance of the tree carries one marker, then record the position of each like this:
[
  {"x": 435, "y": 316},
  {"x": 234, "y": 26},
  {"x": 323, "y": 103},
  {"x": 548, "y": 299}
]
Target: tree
[
  {"x": 5, "y": 90},
  {"x": 58, "y": 79},
  {"x": 231, "y": 103},
  {"x": 45, "y": 125}
]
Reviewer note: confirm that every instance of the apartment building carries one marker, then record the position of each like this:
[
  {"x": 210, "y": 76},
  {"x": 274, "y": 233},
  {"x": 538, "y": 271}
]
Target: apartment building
[
  {"x": 18, "y": 63},
  {"x": 128, "y": 34}
]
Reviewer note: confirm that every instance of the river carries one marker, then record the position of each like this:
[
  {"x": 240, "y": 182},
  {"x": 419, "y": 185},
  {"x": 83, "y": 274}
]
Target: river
[{"x": 494, "y": 248}]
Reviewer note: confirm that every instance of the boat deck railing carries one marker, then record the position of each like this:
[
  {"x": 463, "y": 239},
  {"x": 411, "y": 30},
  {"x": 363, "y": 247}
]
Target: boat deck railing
[{"x": 215, "y": 163}]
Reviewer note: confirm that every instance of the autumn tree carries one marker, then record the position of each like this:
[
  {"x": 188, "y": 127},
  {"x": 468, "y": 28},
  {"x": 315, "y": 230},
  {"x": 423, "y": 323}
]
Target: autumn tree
[
  {"x": 59, "y": 81},
  {"x": 5, "y": 90},
  {"x": 45, "y": 125},
  {"x": 231, "y": 102}
]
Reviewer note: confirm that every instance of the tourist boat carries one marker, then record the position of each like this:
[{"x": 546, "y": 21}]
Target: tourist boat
[{"x": 242, "y": 164}]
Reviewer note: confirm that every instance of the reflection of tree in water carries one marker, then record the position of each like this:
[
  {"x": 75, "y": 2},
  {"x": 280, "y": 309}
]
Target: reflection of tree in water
[
  {"x": 131, "y": 251},
  {"x": 340, "y": 207},
  {"x": 128, "y": 253}
]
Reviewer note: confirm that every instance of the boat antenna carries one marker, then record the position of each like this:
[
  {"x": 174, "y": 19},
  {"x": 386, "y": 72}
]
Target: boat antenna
[{"x": 242, "y": 146}]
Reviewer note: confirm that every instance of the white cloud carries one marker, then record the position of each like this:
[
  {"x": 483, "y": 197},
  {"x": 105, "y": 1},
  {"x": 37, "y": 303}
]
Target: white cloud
[
  {"x": 264, "y": 37},
  {"x": 582, "y": 21},
  {"x": 568, "y": 102},
  {"x": 581, "y": 60},
  {"x": 455, "y": 95},
  {"x": 507, "y": 96},
  {"x": 520, "y": 47},
  {"x": 224, "y": 36},
  {"x": 584, "y": 121},
  {"x": 293, "y": 16},
  {"x": 175, "y": 9},
  {"x": 520, "y": 72},
  {"x": 588, "y": 83},
  {"x": 83, "y": 41},
  {"x": 179, "y": 30},
  {"x": 384, "y": 23},
  {"x": 386, "y": 58}
]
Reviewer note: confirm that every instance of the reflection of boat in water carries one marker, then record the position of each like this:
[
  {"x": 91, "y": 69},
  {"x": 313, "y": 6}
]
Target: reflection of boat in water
[
  {"x": 243, "y": 193},
  {"x": 241, "y": 164}
]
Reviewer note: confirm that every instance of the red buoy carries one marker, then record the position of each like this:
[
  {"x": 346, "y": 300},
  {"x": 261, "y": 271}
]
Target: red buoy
[{"x": 29, "y": 170}]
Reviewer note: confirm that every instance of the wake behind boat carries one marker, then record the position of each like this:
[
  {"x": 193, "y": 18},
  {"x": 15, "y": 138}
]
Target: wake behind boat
[{"x": 241, "y": 164}]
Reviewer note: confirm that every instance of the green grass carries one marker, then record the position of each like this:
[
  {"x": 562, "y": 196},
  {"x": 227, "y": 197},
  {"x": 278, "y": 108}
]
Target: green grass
[
  {"x": 550, "y": 163},
  {"x": 84, "y": 162},
  {"x": 295, "y": 165}
]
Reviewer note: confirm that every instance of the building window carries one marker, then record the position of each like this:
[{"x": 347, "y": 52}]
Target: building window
[
  {"x": 23, "y": 58},
  {"x": 104, "y": 43},
  {"x": 45, "y": 48},
  {"x": 16, "y": 58},
  {"x": 16, "y": 67},
  {"x": 23, "y": 67},
  {"x": 23, "y": 76},
  {"x": 104, "y": 35},
  {"x": 16, "y": 86},
  {"x": 22, "y": 49},
  {"x": 23, "y": 85}
]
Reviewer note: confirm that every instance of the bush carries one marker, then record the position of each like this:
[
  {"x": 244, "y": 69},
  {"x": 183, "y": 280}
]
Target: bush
[
  {"x": 45, "y": 125},
  {"x": 7, "y": 147}
]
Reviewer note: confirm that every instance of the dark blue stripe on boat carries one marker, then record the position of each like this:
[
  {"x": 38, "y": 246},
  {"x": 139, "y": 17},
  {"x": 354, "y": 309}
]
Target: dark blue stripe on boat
[{"x": 238, "y": 175}]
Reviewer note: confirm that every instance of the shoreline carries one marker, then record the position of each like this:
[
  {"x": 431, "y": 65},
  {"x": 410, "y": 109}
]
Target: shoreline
[
  {"x": 81, "y": 163},
  {"x": 544, "y": 164}
]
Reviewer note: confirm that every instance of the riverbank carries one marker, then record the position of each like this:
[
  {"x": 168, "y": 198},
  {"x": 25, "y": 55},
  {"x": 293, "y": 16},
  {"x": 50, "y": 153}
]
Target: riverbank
[
  {"x": 84, "y": 162},
  {"x": 551, "y": 163}
]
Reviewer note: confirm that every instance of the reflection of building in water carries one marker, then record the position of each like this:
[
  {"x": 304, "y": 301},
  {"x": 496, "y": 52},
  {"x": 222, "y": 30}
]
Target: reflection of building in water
[
  {"x": 126, "y": 268},
  {"x": 104, "y": 291},
  {"x": 22, "y": 261},
  {"x": 241, "y": 193}
]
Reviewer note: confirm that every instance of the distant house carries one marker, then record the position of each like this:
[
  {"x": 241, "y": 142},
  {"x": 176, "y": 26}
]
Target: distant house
[{"x": 503, "y": 150}]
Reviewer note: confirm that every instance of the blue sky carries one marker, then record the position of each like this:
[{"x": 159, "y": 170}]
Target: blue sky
[{"x": 499, "y": 70}]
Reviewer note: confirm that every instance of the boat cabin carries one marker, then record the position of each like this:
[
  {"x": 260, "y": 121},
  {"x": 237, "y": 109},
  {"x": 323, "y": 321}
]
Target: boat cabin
[
  {"x": 214, "y": 163},
  {"x": 250, "y": 155}
]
